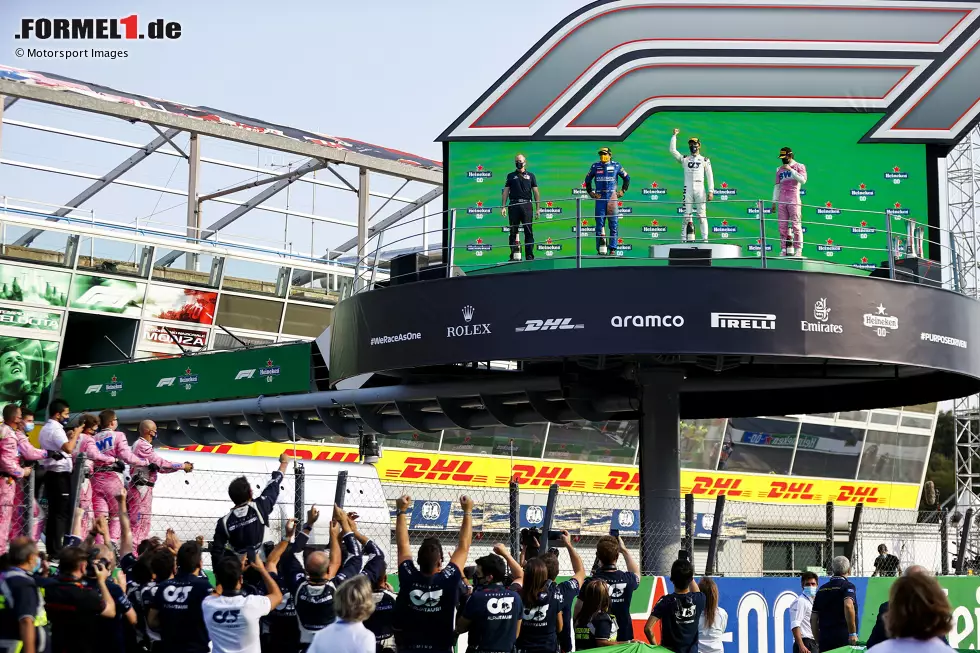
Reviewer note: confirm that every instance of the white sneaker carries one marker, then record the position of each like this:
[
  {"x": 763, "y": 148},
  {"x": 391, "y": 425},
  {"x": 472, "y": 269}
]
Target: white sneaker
[
  {"x": 782, "y": 252},
  {"x": 799, "y": 253},
  {"x": 790, "y": 251}
]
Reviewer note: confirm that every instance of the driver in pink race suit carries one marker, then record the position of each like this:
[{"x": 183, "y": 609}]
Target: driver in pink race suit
[
  {"x": 10, "y": 469},
  {"x": 93, "y": 457},
  {"x": 106, "y": 482},
  {"x": 139, "y": 497},
  {"x": 786, "y": 193},
  {"x": 28, "y": 454}
]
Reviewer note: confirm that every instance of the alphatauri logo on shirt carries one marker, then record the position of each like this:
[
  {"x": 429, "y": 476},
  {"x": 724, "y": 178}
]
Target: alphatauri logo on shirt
[
  {"x": 539, "y": 613},
  {"x": 500, "y": 606},
  {"x": 617, "y": 590},
  {"x": 426, "y": 599}
]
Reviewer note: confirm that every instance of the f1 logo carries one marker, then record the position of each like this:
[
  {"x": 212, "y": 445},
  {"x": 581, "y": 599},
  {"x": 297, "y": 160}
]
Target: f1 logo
[
  {"x": 93, "y": 389},
  {"x": 244, "y": 374},
  {"x": 166, "y": 381}
]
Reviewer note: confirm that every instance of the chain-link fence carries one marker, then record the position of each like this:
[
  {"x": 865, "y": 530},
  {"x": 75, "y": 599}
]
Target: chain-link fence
[{"x": 743, "y": 539}]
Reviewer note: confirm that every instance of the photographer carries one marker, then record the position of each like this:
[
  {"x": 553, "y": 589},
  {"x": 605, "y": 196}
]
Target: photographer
[
  {"x": 622, "y": 584},
  {"x": 111, "y": 632},
  {"x": 73, "y": 607},
  {"x": 493, "y": 613},
  {"x": 428, "y": 593},
  {"x": 679, "y": 611}
]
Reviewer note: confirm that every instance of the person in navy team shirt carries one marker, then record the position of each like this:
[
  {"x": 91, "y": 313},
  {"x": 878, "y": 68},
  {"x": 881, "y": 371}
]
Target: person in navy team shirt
[
  {"x": 568, "y": 589},
  {"x": 494, "y": 612},
  {"x": 678, "y": 612},
  {"x": 835, "y": 608},
  {"x": 428, "y": 593},
  {"x": 175, "y": 612},
  {"x": 621, "y": 584}
]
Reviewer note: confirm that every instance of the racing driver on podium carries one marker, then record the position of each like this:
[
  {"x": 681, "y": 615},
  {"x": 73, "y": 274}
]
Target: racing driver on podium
[{"x": 606, "y": 172}]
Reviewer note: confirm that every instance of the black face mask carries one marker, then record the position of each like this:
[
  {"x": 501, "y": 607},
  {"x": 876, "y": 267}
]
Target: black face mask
[
  {"x": 519, "y": 165},
  {"x": 694, "y": 149},
  {"x": 64, "y": 421},
  {"x": 784, "y": 159}
]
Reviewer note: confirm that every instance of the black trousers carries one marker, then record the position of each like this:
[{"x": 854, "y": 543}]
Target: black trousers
[
  {"x": 521, "y": 215},
  {"x": 57, "y": 487},
  {"x": 809, "y": 643}
]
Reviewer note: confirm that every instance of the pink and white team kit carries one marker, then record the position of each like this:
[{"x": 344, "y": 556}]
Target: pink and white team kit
[
  {"x": 787, "y": 193},
  {"x": 103, "y": 482}
]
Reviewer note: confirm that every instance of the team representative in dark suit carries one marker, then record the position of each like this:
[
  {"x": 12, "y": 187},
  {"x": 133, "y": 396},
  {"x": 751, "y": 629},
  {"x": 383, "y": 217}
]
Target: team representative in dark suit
[{"x": 521, "y": 185}]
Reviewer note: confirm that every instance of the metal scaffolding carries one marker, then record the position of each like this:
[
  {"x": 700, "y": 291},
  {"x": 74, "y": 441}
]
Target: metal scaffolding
[{"x": 963, "y": 195}]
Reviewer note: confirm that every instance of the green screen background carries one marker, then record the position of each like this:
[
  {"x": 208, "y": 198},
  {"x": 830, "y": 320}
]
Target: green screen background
[{"x": 743, "y": 148}]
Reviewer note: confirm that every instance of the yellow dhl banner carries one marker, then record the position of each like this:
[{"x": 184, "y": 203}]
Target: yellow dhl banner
[{"x": 414, "y": 467}]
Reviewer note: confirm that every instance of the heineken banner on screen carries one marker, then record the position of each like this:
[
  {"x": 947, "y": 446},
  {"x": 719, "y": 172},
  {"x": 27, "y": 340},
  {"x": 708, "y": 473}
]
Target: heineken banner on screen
[
  {"x": 187, "y": 379},
  {"x": 119, "y": 296},
  {"x": 26, "y": 370},
  {"x": 34, "y": 285}
]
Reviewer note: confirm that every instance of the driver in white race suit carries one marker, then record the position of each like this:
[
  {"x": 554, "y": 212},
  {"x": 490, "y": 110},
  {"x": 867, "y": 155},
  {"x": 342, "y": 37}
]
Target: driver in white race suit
[{"x": 699, "y": 184}]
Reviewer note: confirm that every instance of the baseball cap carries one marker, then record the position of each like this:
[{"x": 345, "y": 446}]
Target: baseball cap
[
  {"x": 694, "y": 139},
  {"x": 605, "y": 150},
  {"x": 785, "y": 151}
]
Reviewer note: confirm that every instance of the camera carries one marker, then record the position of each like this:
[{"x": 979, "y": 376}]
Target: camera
[
  {"x": 531, "y": 541},
  {"x": 682, "y": 555}
]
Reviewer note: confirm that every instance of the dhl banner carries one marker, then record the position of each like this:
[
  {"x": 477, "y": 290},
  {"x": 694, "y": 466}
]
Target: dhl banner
[{"x": 399, "y": 466}]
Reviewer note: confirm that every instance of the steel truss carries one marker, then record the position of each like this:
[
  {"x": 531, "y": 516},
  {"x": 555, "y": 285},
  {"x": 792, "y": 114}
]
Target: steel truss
[{"x": 963, "y": 196}]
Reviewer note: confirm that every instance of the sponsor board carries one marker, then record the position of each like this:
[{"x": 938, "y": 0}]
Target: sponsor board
[
  {"x": 416, "y": 467},
  {"x": 880, "y": 321},
  {"x": 30, "y": 319},
  {"x": 550, "y": 324},
  {"x": 751, "y": 321},
  {"x": 470, "y": 328},
  {"x": 194, "y": 378},
  {"x": 821, "y": 313},
  {"x": 172, "y": 339}
]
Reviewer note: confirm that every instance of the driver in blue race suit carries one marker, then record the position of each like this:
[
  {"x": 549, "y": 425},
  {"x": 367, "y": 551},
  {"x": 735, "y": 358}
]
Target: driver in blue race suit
[{"x": 606, "y": 173}]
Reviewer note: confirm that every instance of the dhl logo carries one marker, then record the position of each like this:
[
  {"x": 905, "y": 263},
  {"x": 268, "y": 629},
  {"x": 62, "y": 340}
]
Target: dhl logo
[
  {"x": 299, "y": 452},
  {"x": 707, "y": 486},
  {"x": 441, "y": 469},
  {"x": 784, "y": 490},
  {"x": 546, "y": 476},
  {"x": 620, "y": 482},
  {"x": 858, "y": 494}
]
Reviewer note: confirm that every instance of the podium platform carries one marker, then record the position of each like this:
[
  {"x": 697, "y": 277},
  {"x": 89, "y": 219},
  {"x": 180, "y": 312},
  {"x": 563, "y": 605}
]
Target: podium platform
[{"x": 718, "y": 250}]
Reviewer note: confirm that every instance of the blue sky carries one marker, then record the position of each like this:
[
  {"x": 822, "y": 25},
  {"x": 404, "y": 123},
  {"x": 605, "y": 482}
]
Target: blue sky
[{"x": 391, "y": 73}]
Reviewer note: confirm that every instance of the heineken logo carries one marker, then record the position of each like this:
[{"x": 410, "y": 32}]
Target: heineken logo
[
  {"x": 895, "y": 175},
  {"x": 114, "y": 386}
]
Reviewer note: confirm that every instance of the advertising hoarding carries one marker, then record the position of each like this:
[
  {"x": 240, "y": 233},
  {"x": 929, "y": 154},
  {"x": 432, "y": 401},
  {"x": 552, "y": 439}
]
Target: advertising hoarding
[
  {"x": 432, "y": 468},
  {"x": 27, "y": 368},
  {"x": 34, "y": 285},
  {"x": 171, "y": 338},
  {"x": 187, "y": 379},
  {"x": 31, "y": 319},
  {"x": 180, "y": 304},
  {"x": 105, "y": 295}
]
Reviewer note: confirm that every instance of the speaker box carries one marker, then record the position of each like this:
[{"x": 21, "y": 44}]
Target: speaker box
[
  {"x": 406, "y": 268},
  {"x": 689, "y": 256},
  {"x": 912, "y": 270}
]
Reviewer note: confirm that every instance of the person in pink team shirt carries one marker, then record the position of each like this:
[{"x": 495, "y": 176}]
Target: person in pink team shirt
[
  {"x": 93, "y": 457},
  {"x": 106, "y": 483},
  {"x": 139, "y": 498},
  {"x": 786, "y": 195},
  {"x": 28, "y": 454},
  {"x": 10, "y": 469}
]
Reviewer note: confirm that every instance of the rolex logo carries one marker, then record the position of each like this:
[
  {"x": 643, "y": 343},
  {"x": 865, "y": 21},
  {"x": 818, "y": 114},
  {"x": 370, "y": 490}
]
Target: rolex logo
[{"x": 468, "y": 313}]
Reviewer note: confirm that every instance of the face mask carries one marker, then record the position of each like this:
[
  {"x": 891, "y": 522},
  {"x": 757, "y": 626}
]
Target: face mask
[
  {"x": 694, "y": 149},
  {"x": 64, "y": 421},
  {"x": 784, "y": 159},
  {"x": 37, "y": 565},
  {"x": 810, "y": 591},
  {"x": 519, "y": 164},
  {"x": 28, "y": 427}
]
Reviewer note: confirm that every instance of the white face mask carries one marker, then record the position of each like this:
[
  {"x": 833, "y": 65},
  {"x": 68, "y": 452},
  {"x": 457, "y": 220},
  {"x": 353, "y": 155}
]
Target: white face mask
[{"x": 28, "y": 427}]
